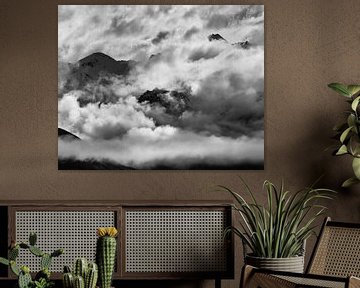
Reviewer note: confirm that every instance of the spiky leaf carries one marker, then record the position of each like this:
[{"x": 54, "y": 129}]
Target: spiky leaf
[
  {"x": 13, "y": 253},
  {"x": 280, "y": 228}
]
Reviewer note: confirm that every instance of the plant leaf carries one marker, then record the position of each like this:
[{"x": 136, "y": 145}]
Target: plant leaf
[
  {"x": 345, "y": 134},
  {"x": 353, "y": 89},
  {"x": 349, "y": 182},
  {"x": 4, "y": 261},
  {"x": 356, "y": 167},
  {"x": 351, "y": 120},
  {"x": 340, "y": 88},
  {"x": 342, "y": 150},
  {"x": 355, "y": 103}
]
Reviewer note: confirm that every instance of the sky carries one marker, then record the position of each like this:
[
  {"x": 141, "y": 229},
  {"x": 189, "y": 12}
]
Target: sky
[{"x": 223, "y": 125}]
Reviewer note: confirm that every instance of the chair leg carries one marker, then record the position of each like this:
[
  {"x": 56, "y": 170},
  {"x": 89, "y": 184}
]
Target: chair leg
[
  {"x": 217, "y": 283},
  {"x": 246, "y": 274}
]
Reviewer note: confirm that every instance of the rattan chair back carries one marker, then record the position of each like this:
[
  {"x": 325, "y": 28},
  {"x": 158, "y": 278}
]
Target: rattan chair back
[{"x": 337, "y": 252}]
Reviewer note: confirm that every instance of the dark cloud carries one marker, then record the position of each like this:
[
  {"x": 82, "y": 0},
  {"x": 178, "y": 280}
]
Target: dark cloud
[
  {"x": 189, "y": 33},
  {"x": 224, "y": 108},
  {"x": 120, "y": 26},
  {"x": 153, "y": 11},
  {"x": 165, "y": 8},
  {"x": 199, "y": 54},
  {"x": 219, "y": 20},
  {"x": 253, "y": 11},
  {"x": 190, "y": 13},
  {"x": 160, "y": 37}
]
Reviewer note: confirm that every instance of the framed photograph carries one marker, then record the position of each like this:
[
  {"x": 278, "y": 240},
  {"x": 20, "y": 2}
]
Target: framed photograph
[{"x": 161, "y": 87}]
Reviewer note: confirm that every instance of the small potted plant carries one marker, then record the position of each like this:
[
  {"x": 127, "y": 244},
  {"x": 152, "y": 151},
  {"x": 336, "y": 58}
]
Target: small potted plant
[
  {"x": 42, "y": 278},
  {"x": 276, "y": 233},
  {"x": 106, "y": 254},
  {"x": 84, "y": 274},
  {"x": 348, "y": 132}
]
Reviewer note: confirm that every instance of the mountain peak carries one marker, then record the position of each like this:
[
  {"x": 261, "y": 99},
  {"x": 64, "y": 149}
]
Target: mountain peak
[
  {"x": 213, "y": 37},
  {"x": 99, "y": 56}
]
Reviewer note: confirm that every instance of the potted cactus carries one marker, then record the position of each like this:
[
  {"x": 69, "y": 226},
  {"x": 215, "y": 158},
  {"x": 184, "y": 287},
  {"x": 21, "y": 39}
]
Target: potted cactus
[
  {"x": 42, "y": 278},
  {"x": 106, "y": 254},
  {"x": 85, "y": 275}
]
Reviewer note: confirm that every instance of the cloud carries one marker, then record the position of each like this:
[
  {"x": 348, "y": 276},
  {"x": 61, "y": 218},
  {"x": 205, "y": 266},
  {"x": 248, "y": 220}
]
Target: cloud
[
  {"x": 148, "y": 148},
  {"x": 203, "y": 54},
  {"x": 160, "y": 37},
  {"x": 233, "y": 17},
  {"x": 120, "y": 26},
  {"x": 189, "y": 33},
  {"x": 105, "y": 121},
  {"x": 117, "y": 29}
]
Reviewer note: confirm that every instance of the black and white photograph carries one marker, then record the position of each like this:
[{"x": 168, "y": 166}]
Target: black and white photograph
[{"x": 158, "y": 87}]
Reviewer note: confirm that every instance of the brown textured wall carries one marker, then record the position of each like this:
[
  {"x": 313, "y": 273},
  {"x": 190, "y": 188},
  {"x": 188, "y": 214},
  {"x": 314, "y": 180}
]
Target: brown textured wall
[{"x": 307, "y": 45}]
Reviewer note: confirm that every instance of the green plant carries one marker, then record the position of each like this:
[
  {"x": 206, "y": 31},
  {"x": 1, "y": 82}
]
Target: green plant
[
  {"x": 85, "y": 275},
  {"x": 43, "y": 283},
  {"x": 105, "y": 254},
  {"x": 42, "y": 278},
  {"x": 279, "y": 229},
  {"x": 348, "y": 132}
]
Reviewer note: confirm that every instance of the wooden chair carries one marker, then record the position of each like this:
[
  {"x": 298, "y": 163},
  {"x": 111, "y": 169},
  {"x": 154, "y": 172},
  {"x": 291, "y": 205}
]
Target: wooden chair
[{"x": 335, "y": 262}]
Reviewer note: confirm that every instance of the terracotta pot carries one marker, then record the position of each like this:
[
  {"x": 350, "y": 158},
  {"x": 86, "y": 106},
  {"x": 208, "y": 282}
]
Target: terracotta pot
[{"x": 291, "y": 264}]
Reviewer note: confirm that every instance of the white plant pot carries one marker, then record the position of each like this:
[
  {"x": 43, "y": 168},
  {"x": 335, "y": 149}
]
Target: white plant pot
[{"x": 291, "y": 264}]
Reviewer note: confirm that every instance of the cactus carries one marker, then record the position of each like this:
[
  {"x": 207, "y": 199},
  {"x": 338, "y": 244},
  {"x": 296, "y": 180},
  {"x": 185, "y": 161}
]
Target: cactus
[
  {"x": 36, "y": 251},
  {"x": 42, "y": 278},
  {"x": 45, "y": 261},
  {"x": 91, "y": 276},
  {"x": 80, "y": 267},
  {"x": 68, "y": 280},
  {"x": 57, "y": 252},
  {"x": 79, "y": 282},
  {"x": 32, "y": 238},
  {"x": 14, "y": 268},
  {"x": 105, "y": 254},
  {"x": 67, "y": 269},
  {"x": 44, "y": 273},
  {"x": 90, "y": 272},
  {"x": 13, "y": 253},
  {"x": 4, "y": 261},
  {"x": 24, "y": 280}
]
